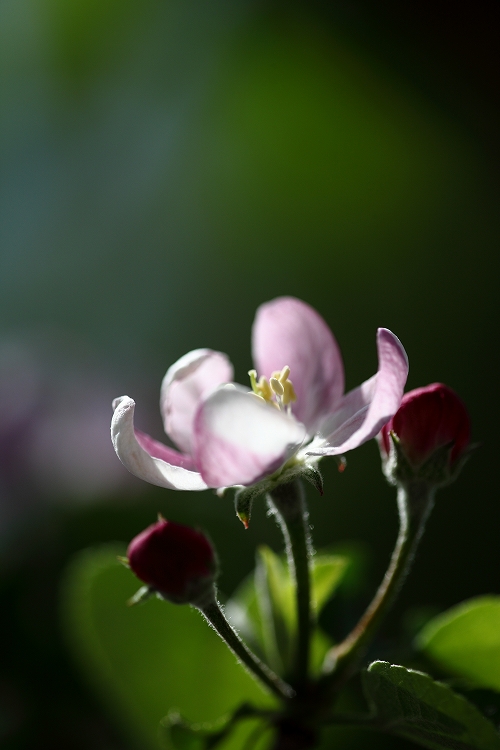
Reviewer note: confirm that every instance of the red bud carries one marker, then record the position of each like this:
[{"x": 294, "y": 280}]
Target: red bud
[
  {"x": 428, "y": 419},
  {"x": 175, "y": 560}
]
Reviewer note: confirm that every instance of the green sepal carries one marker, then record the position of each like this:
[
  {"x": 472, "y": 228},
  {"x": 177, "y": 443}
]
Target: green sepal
[
  {"x": 244, "y": 499},
  {"x": 437, "y": 467},
  {"x": 412, "y": 705},
  {"x": 460, "y": 463},
  {"x": 245, "y": 496},
  {"x": 142, "y": 595},
  {"x": 313, "y": 475},
  {"x": 437, "y": 470}
]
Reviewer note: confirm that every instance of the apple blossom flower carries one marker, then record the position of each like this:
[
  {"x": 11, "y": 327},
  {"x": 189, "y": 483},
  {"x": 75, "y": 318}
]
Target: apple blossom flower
[
  {"x": 175, "y": 561},
  {"x": 296, "y": 412}
]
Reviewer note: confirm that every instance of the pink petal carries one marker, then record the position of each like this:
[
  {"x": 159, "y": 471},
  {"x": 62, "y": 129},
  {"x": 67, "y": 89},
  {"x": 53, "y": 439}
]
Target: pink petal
[
  {"x": 364, "y": 410},
  {"x": 289, "y": 332},
  {"x": 164, "y": 452},
  {"x": 241, "y": 439},
  {"x": 188, "y": 382},
  {"x": 145, "y": 457}
]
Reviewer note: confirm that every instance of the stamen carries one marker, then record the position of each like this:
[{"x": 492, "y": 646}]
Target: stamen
[
  {"x": 277, "y": 386},
  {"x": 265, "y": 388},
  {"x": 289, "y": 395},
  {"x": 284, "y": 374},
  {"x": 277, "y": 391}
]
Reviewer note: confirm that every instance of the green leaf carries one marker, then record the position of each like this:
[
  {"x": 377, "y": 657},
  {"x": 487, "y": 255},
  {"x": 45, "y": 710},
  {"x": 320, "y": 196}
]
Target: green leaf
[
  {"x": 242, "y": 611},
  {"x": 412, "y": 705},
  {"x": 466, "y": 640},
  {"x": 263, "y": 607},
  {"x": 144, "y": 660},
  {"x": 180, "y": 734},
  {"x": 276, "y": 602},
  {"x": 321, "y": 643},
  {"x": 327, "y": 573},
  {"x": 183, "y": 737}
]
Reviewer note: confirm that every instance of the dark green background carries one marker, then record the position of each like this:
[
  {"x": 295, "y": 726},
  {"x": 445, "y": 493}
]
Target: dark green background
[{"x": 167, "y": 167}]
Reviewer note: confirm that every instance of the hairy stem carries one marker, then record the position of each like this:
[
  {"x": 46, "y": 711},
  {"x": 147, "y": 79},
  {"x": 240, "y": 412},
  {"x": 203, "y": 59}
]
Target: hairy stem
[
  {"x": 289, "y": 502},
  {"x": 216, "y": 618},
  {"x": 415, "y": 500}
]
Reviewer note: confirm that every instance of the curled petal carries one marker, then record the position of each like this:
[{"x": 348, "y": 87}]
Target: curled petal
[
  {"x": 145, "y": 457},
  {"x": 188, "y": 382},
  {"x": 289, "y": 332},
  {"x": 365, "y": 410},
  {"x": 239, "y": 439},
  {"x": 164, "y": 452}
]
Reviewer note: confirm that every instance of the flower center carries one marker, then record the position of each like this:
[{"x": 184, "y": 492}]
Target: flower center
[{"x": 277, "y": 391}]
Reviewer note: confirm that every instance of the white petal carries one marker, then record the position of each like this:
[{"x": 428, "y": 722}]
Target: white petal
[
  {"x": 187, "y": 383},
  {"x": 141, "y": 463},
  {"x": 239, "y": 439}
]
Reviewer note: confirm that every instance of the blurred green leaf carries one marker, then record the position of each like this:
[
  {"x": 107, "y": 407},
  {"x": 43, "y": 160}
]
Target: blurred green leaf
[
  {"x": 147, "y": 659},
  {"x": 183, "y": 735},
  {"x": 320, "y": 645},
  {"x": 242, "y": 610},
  {"x": 275, "y": 597},
  {"x": 327, "y": 573},
  {"x": 180, "y": 734},
  {"x": 263, "y": 607},
  {"x": 412, "y": 705},
  {"x": 466, "y": 640}
]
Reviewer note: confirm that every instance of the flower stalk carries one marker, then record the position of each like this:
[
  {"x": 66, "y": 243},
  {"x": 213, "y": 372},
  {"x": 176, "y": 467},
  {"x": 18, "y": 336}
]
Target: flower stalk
[
  {"x": 289, "y": 503},
  {"x": 415, "y": 501},
  {"x": 213, "y": 613}
]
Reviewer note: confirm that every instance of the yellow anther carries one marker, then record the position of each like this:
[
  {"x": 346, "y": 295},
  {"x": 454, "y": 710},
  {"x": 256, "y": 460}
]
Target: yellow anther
[
  {"x": 277, "y": 391},
  {"x": 276, "y": 386},
  {"x": 283, "y": 377},
  {"x": 289, "y": 395},
  {"x": 265, "y": 389}
]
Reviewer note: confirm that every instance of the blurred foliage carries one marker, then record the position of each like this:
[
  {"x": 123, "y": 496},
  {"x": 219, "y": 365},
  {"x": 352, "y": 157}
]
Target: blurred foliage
[
  {"x": 165, "y": 168},
  {"x": 466, "y": 641},
  {"x": 149, "y": 659}
]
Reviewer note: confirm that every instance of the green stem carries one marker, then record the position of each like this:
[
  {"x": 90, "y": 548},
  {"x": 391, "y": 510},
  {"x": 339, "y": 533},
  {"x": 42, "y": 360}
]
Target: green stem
[
  {"x": 216, "y": 618},
  {"x": 289, "y": 502},
  {"x": 415, "y": 500}
]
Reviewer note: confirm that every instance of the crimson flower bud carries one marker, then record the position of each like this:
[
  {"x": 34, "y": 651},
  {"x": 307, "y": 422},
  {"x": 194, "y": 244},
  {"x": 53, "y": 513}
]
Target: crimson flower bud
[
  {"x": 431, "y": 433},
  {"x": 175, "y": 561}
]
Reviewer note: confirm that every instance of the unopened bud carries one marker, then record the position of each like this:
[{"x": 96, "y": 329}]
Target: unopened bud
[
  {"x": 175, "y": 561},
  {"x": 428, "y": 437}
]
